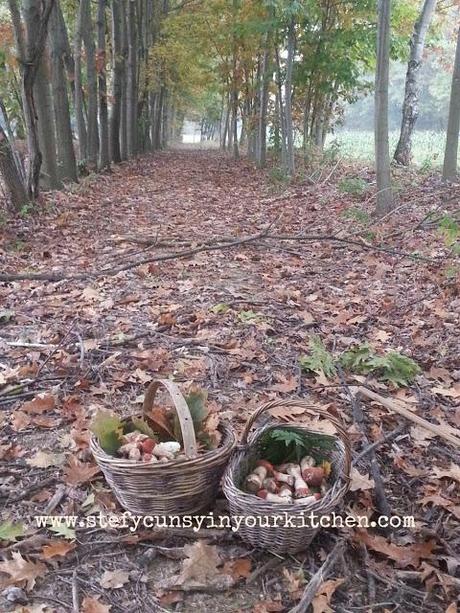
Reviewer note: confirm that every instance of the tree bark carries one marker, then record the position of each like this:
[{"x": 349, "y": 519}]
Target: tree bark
[
  {"x": 91, "y": 75},
  {"x": 382, "y": 148},
  {"x": 118, "y": 71},
  {"x": 403, "y": 153},
  {"x": 64, "y": 138},
  {"x": 104, "y": 158},
  {"x": 124, "y": 96},
  {"x": 290, "y": 153},
  {"x": 131, "y": 85},
  {"x": 453, "y": 124},
  {"x": 9, "y": 172},
  {"x": 30, "y": 52},
  {"x": 78, "y": 92}
]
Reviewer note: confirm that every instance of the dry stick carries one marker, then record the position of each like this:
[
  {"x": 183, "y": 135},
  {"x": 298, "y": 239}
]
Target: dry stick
[
  {"x": 391, "y": 405},
  {"x": 318, "y": 578},
  {"x": 358, "y": 416},
  {"x": 75, "y": 598},
  {"x": 206, "y": 247},
  {"x": 388, "y": 437}
]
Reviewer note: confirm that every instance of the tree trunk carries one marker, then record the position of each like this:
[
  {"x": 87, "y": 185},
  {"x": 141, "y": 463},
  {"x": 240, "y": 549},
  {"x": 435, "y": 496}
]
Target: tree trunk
[
  {"x": 403, "y": 153},
  {"x": 234, "y": 128},
  {"x": 280, "y": 109},
  {"x": 453, "y": 125},
  {"x": 261, "y": 153},
  {"x": 46, "y": 127},
  {"x": 124, "y": 97},
  {"x": 290, "y": 153},
  {"x": 9, "y": 172},
  {"x": 30, "y": 52},
  {"x": 78, "y": 92},
  {"x": 64, "y": 138},
  {"x": 131, "y": 86},
  {"x": 118, "y": 70},
  {"x": 104, "y": 159},
  {"x": 382, "y": 150},
  {"x": 91, "y": 76}
]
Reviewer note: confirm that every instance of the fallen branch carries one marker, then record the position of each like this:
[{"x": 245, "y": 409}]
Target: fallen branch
[
  {"x": 222, "y": 243},
  {"x": 318, "y": 578},
  {"x": 397, "y": 407}
]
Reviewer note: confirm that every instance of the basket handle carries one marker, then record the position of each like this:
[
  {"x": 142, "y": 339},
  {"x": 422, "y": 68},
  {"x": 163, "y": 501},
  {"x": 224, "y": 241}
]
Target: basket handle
[
  {"x": 289, "y": 403},
  {"x": 182, "y": 410}
]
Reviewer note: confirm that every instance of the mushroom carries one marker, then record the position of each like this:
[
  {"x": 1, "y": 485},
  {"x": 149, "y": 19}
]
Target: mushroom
[
  {"x": 300, "y": 487},
  {"x": 269, "y": 497}
]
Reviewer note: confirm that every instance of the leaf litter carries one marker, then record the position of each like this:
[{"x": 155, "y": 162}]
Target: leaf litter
[{"x": 240, "y": 323}]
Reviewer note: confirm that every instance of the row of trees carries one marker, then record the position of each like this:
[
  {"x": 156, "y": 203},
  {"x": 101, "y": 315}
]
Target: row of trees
[
  {"x": 91, "y": 90},
  {"x": 114, "y": 78}
]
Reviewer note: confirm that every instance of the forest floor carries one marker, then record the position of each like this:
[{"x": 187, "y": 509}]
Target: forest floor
[{"x": 235, "y": 321}]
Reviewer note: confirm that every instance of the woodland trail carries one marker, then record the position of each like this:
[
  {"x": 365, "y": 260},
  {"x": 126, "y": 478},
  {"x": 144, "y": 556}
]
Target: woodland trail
[{"x": 235, "y": 322}]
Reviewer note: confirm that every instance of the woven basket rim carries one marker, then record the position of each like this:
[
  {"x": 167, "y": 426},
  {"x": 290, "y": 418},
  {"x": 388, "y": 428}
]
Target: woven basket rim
[{"x": 227, "y": 444}]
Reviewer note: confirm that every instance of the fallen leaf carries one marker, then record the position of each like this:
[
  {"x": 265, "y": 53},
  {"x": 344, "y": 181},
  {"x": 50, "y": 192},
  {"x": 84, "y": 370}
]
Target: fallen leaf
[
  {"x": 42, "y": 459},
  {"x": 451, "y": 473},
  {"x": 238, "y": 569},
  {"x": 21, "y": 571},
  {"x": 39, "y": 404},
  {"x": 10, "y": 531},
  {"x": 322, "y": 599},
  {"x": 93, "y": 605},
  {"x": 57, "y": 548},
  {"x": 407, "y": 555},
  {"x": 360, "y": 482},
  {"x": 201, "y": 562},
  {"x": 114, "y": 579},
  {"x": 76, "y": 472}
]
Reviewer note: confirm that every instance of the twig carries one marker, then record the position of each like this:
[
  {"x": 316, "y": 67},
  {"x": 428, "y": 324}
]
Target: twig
[
  {"x": 318, "y": 578},
  {"x": 391, "y": 405},
  {"x": 204, "y": 248},
  {"x": 381, "y": 501},
  {"x": 272, "y": 563},
  {"x": 75, "y": 598},
  {"x": 393, "y": 434}
]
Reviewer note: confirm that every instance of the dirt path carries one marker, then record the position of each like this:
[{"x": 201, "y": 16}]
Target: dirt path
[{"x": 234, "y": 321}]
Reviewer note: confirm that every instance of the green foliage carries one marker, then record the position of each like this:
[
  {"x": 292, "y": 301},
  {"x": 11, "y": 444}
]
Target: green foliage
[
  {"x": 278, "y": 175},
  {"x": 450, "y": 230},
  {"x": 108, "y": 429},
  {"x": 248, "y": 317},
  {"x": 278, "y": 445},
  {"x": 393, "y": 366},
  {"x": 10, "y": 531},
  {"x": 217, "y": 309},
  {"x": 353, "y": 185},
  {"x": 141, "y": 425},
  {"x": 357, "y": 215},
  {"x": 319, "y": 359}
]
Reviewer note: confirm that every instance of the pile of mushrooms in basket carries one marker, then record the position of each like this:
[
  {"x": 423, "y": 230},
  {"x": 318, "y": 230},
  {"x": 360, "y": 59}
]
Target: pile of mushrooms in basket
[
  {"x": 289, "y": 470},
  {"x": 156, "y": 437}
]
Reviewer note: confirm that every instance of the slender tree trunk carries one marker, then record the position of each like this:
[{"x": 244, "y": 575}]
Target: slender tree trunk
[
  {"x": 30, "y": 52},
  {"x": 124, "y": 95},
  {"x": 9, "y": 172},
  {"x": 261, "y": 153},
  {"x": 453, "y": 124},
  {"x": 118, "y": 68},
  {"x": 382, "y": 149},
  {"x": 78, "y": 92},
  {"x": 280, "y": 109},
  {"x": 290, "y": 157},
  {"x": 104, "y": 158},
  {"x": 403, "y": 153},
  {"x": 131, "y": 86},
  {"x": 64, "y": 138},
  {"x": 234, "y": 128},
  {"x": 91, "y": 75}
]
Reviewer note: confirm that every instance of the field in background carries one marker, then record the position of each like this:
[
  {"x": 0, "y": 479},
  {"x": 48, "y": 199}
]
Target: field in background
[{"x": 428, "y": 147}]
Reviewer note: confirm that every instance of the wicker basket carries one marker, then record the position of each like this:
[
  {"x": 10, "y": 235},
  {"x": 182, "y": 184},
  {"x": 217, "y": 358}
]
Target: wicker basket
[
  {"x": 283, "y": 538},
  {"x": 179, "y": 487}
]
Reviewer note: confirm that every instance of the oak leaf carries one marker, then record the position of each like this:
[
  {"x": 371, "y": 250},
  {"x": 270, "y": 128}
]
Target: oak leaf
[
  {"x": 322, "y": 599},
  {"x": 22, "y": 571},
  {"x": 93, "y": 605},
  {"x": 57, "y": 548},
  {"x": 76, "y": 472},
  {"x": 406, "y": 555}
]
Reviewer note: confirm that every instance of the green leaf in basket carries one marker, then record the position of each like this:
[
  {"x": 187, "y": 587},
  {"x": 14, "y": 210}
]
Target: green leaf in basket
[
  {"x": 142, "y": 426},
  {"x": 108, "y": 429},
  {"x": 279, "y": 445}
]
